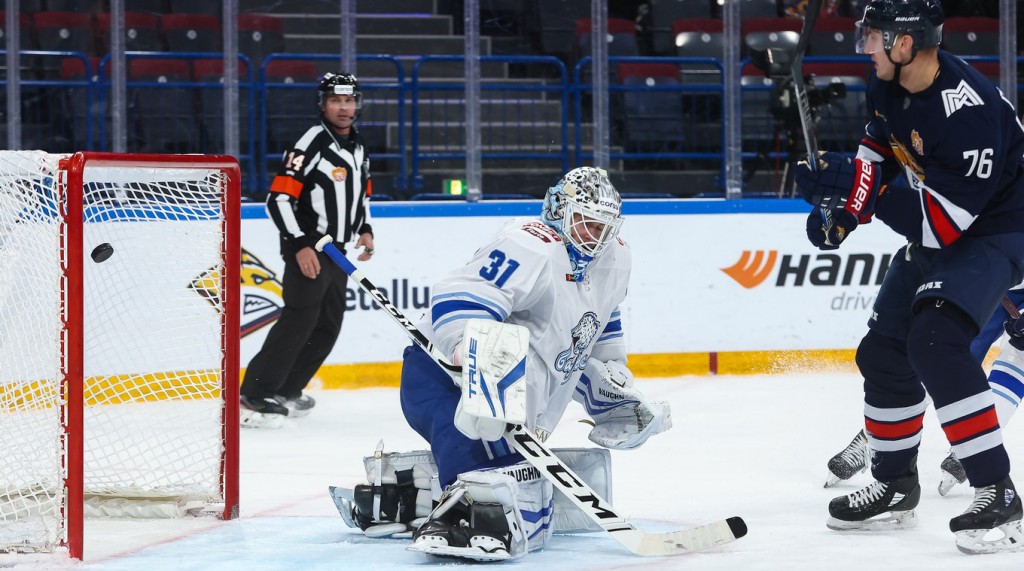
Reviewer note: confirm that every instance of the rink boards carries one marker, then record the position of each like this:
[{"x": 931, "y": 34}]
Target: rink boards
[{"x": 717, "y": 286}]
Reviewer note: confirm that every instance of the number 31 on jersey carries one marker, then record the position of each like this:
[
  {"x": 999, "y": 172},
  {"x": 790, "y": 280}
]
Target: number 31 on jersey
[{"x": 500, "y": 269}]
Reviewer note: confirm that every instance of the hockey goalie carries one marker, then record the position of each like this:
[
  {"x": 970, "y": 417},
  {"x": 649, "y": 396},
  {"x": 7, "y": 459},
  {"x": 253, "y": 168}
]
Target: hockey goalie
[{"x": 533, "y": 320}]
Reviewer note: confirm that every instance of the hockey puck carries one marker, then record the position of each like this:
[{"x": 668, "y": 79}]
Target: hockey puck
[{"x": 102, "y": 252}]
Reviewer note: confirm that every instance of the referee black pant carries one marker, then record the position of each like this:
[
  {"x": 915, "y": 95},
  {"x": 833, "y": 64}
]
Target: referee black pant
[{"x": 303, "y": 336}]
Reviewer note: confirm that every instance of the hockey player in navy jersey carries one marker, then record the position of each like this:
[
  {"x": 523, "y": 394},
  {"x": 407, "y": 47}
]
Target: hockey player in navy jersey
[
  {"x": 1006, "y": 380},
  {"x": 557, "y": 280},
  {"x": 942, "y": 163}
]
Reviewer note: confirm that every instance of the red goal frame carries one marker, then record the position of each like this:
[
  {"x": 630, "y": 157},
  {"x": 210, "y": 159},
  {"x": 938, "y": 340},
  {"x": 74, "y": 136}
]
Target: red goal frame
[{"x": 72, "y": 338}]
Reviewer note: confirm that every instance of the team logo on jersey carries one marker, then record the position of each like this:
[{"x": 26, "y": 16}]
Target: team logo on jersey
[
  {"x": 906, "y": 159},
  {"x": 962, "y": 96},
  {"x": 574, "y": 358},
  {"x": 261, "y": 292},
  {"x": 339, "y": 174},
  {"x": 916, "y": 142}
]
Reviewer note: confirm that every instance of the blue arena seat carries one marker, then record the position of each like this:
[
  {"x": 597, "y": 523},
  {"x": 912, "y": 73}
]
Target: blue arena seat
[{"x": 653, "y": 118}]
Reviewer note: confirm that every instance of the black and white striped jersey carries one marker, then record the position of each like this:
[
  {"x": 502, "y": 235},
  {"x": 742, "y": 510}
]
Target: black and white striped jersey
[{"x": 323, "y": 187}]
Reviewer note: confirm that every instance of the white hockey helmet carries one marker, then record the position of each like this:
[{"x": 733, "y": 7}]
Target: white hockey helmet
[{"x": 585, "y": 209}]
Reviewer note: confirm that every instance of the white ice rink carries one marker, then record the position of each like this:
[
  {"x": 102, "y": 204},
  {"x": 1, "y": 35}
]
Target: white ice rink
[{"x": 753, "y": 446}]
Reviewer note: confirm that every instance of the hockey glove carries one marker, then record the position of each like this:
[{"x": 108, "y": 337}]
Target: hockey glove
[
  {"x": 1015, "y": 329},
  {"x": 623, "y": 417},
  {"x": 493, "y": 358},
  {"x": 841, "y": 182},
  {"x": 826, "y": 228}
]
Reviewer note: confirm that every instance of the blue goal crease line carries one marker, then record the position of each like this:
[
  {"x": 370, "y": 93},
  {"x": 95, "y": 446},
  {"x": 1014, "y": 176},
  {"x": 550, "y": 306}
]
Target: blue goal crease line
[{"x": 254, "y": 211}]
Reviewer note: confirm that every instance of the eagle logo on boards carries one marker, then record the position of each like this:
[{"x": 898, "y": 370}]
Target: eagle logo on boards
[
  {"x": 262, "y": 300},
  {"x": 916, "y": 142},
  {"x": 583, "y": 334},
  {"x": 339, "y": 174}
]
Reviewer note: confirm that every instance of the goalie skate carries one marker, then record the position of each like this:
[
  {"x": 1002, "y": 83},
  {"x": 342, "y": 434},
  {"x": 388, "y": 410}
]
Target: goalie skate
[
  {"x": 460, "y": 541},
  {"x": 849, "y": 461},
  {"x": 996, "y": 511},
  {"x": 877, "y": 507},
  {"x": 952, "y": 474}
]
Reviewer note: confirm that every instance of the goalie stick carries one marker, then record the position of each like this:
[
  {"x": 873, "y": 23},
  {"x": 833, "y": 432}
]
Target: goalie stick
[{"x": 561, "y": 476}]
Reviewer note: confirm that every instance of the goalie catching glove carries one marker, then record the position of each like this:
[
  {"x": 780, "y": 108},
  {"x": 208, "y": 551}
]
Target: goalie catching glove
[
  {"x": 841, "y": 182},
  {"x": 623, "y": 417},
  {"x": 493, "y": 359}
]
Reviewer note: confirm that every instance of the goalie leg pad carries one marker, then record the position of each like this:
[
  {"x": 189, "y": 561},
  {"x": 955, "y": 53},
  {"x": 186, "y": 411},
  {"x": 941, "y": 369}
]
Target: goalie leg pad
[
  {"x": 535, "y": 499},
  {"x": 397, "y": 498},
  {"x": 594, "y": 466}
]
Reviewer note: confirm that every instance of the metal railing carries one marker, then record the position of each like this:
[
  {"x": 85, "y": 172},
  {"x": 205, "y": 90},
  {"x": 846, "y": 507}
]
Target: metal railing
[
  {"x": 670, "y": 125},
  {"x": 515, "y": 117}
]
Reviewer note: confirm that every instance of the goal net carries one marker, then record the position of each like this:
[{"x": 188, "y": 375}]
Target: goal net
[{"x": 118, "y": 378}]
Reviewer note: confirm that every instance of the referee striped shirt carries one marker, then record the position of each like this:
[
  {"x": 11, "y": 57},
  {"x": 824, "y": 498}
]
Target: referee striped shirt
[{"x": 323, "y": 187}]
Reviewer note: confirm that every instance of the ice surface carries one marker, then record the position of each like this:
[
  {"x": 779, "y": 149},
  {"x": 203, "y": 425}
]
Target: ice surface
[{"x": 753, "y": 446}]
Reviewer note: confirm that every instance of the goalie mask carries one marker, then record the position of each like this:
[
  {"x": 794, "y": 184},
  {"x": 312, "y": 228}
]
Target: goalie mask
[{"x": 586, "y": 210}]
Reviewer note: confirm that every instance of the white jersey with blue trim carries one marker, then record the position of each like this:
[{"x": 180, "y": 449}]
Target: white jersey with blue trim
[{"x": 521, "y": 277}]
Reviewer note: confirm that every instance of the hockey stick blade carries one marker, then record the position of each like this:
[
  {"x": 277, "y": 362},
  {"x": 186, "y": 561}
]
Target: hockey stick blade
[
  {"x": 650, "y": 544},
  {"x": 553, "y": 468},
  {"x": 810, "y": 130}
]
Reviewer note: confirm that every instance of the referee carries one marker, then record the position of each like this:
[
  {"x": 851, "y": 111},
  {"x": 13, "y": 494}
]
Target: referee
[{"x": 322, "y": 188}]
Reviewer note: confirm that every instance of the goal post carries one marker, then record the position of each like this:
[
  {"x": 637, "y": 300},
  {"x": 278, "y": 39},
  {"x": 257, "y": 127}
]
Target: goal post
[{"x": 118, "y": 376}]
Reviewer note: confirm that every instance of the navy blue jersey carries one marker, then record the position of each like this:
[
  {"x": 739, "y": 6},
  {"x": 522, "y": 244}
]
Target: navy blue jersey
[{"x": 956, "y": 154}]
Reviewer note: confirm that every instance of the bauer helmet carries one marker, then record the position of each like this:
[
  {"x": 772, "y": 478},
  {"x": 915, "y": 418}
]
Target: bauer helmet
[
  {"x": 339, "y": 84},
  {"x": 586, "y": 210},
  {"x": 920, "y": 19}
]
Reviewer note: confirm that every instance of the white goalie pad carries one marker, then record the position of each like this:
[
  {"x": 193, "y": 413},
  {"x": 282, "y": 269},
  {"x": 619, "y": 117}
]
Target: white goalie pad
[
  {"x": 399, "y": 494},
  {"x": 594, "y": 465},
  {"x": 493, "y": 356}
]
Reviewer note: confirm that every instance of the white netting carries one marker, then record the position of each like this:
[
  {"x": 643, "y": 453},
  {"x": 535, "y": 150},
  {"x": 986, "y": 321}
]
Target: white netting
[
  {"x": 153, "y": 340},
  {"x": 31, "y": 473}
]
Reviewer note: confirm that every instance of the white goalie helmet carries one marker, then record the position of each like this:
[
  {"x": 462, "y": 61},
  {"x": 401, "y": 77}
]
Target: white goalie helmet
[{"x": 585, "y": 209}]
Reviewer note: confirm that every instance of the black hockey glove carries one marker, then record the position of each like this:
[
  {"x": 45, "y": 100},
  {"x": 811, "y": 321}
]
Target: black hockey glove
[
  {"x": 841, "y": 182},
  {"x": 826, "y": 228},
  {"x": 1015, "y": 329}
]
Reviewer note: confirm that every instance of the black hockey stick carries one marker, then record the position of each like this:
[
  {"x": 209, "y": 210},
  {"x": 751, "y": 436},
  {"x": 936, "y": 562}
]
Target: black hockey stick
[
  {"x": 561, "y": 477},
  {"x": 800, "y": 88}
]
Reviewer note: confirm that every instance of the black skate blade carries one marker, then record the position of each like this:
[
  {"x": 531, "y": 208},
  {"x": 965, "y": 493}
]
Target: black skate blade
[{"x": 737, "y": 526}]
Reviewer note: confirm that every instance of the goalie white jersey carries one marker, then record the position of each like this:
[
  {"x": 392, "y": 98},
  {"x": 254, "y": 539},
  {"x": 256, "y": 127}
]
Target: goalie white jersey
[{"x": 520, "y": 277}]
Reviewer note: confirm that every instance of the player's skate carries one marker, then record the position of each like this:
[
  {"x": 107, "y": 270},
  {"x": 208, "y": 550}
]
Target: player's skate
[
  {"x": 952, "y": 474},
  {"x": 995, "y": 507},
  {"x": 849, "y": 461},
  {"x": 297, "y": 407},
  {"x": 879, "y": 506},
  {"x": 261, "y": 413},
  {"x": 477, "y": 518}
]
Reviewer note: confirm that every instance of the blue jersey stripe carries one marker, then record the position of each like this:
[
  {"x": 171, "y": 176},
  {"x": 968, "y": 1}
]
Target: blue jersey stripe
[
  {"x": 466, "y": 295},
  {"x": 445, "y": 308}
]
